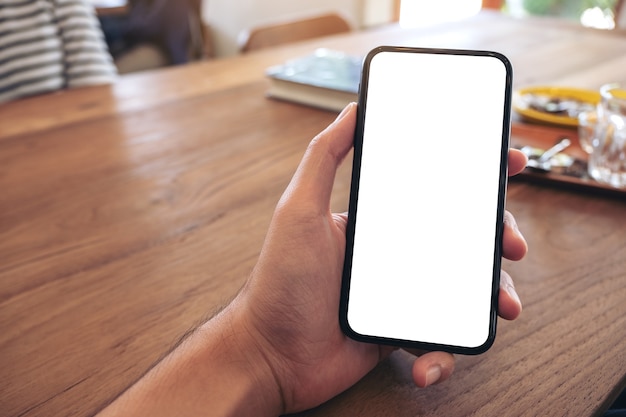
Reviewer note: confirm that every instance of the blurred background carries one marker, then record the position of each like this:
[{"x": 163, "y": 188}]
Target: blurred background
[
  {"x": 226, "y": 18},
  {"x": 217, "y": 25}
]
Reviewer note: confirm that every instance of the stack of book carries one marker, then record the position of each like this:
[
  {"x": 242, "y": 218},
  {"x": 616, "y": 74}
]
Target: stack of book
[{"x": 325, "y": 79}]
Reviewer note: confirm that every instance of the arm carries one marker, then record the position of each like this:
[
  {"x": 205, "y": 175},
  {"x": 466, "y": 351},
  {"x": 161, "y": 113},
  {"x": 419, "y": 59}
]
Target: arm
[{"x": 216, "y": 371}]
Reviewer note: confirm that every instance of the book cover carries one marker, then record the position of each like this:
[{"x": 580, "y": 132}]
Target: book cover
[{"x": 325, "y": 79}]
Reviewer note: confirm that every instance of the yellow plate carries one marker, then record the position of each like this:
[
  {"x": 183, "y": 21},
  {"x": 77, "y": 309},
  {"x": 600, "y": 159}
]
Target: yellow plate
[{"x": 522, "y": 103}]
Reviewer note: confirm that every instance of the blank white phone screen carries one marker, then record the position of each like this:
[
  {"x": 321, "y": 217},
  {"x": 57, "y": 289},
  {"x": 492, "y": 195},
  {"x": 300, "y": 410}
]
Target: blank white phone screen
[{"x": 425, "y": 231}]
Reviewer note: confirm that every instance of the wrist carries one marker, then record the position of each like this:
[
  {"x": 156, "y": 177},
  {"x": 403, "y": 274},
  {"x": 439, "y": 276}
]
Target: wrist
[
  {"x": 245, "y": 370},
  {"x": 217, "y": 371}
]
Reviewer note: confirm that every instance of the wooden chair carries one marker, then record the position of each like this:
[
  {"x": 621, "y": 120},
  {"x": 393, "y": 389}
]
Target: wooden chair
[{"x": 292, "y": 31}]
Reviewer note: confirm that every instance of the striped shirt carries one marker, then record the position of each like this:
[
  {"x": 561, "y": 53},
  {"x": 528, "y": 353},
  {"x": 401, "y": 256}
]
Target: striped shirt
[{"x": 47, "y": 45}]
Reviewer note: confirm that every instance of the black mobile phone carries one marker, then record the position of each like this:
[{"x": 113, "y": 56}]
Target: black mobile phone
[{"x": 425, "y": 219}]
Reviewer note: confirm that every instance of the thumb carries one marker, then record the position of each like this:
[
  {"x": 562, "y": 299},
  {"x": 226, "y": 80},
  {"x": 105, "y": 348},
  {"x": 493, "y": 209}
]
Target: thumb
[{"x": 314, "y": 178}]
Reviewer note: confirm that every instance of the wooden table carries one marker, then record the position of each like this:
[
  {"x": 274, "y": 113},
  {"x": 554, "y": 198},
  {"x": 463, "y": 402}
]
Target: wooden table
[{"x": 130, "y": 213}]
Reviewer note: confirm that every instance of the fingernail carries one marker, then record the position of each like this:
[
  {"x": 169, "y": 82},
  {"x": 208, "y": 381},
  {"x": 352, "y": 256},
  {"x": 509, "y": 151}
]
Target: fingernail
[
  {"x": 344, "y": 111},
  {"x": 513, "y": 225},
  {"x": 521, "y": 236},
  {"x": 511, "y": 290},
  {"x": 433, "y": 375}
]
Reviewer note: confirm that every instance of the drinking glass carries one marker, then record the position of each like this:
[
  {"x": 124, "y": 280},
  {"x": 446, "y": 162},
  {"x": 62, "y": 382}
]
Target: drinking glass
[
  {"x": 607, "y": 162},
  {"x": 587, "y": 123}
]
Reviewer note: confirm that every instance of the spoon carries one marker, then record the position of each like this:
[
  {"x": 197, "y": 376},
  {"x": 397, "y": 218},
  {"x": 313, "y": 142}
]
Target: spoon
[{"x": 543, "y": 162}]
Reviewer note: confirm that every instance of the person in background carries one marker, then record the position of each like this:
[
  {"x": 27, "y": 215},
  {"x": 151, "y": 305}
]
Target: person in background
[
  {"x": 165, "y": 24},
  {"x": 49, "y": 45},
  {"x": 277, "y": 347}
]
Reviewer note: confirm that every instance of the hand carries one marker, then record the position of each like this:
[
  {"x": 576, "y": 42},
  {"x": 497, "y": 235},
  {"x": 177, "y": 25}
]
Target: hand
[
  {"x": 290, "y": 304},
  {"x": 277, "y": 347}
]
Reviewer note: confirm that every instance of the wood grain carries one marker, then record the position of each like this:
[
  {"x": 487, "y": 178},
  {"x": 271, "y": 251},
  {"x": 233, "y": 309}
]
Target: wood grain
[{"x": 132, "y": 212}]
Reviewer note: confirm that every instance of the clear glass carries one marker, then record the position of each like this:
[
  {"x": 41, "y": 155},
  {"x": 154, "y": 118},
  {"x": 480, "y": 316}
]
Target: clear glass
[
  {"x": 587, "y": 122},
  {"x": 607, "y": 162}
]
